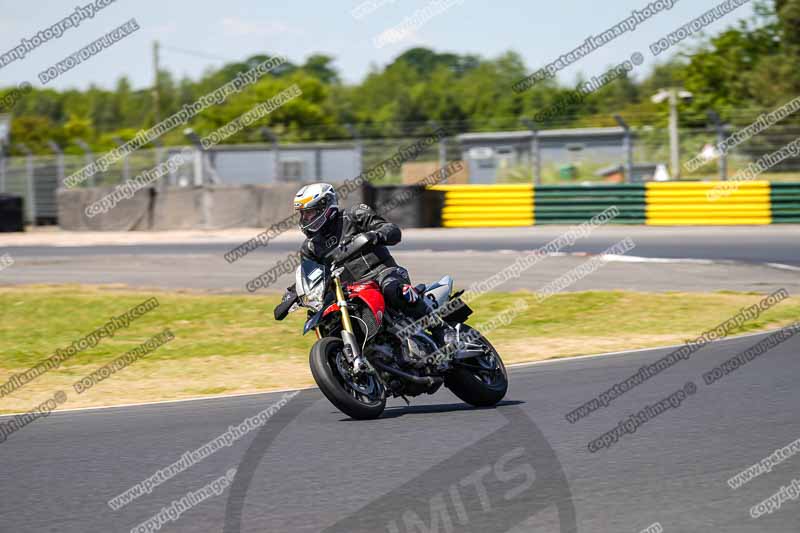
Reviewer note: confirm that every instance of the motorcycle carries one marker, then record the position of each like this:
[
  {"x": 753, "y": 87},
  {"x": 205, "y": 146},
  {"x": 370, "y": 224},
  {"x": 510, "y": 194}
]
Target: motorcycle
[{"x": 366, "y": 352}]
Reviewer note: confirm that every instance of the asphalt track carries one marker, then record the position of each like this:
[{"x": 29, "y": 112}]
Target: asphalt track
[
  {"x": 310, "y": 469},
  {"x": 761, "y": 259},
  {"x": 755, "y": 244}
]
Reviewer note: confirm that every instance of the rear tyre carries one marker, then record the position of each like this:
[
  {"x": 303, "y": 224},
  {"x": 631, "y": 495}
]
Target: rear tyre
[
  {"x": 479, "y": 381},
  {"x": 361, "y": 398}
]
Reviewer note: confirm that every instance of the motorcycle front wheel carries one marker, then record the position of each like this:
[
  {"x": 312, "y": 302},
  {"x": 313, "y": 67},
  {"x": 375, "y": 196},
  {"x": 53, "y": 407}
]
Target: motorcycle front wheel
[
  {"x": 480, "y": 381},
  {"x": 360, "y": 397}
]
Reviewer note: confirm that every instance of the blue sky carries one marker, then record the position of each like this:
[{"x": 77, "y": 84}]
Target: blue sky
[{"x": 234, "y": 29}]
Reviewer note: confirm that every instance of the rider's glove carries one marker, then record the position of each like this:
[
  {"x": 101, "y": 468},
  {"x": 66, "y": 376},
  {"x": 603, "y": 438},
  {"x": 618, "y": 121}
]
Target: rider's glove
[
  {"x": 373, "y": 237},
  {"x": 289, "y": 299}
]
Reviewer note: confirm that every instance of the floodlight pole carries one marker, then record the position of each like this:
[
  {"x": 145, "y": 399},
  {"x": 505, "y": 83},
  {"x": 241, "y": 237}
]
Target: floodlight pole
[{"x": 672, "y": 95}]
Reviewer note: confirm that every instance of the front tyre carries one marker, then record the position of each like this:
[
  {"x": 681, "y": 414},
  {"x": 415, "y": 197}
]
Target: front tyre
[
  {"x": 481, "y": 381},
  {"x": 358, "y": 397}
]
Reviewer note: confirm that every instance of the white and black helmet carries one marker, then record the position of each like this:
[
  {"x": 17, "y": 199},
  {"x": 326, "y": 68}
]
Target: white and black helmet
[{"x": 317, "y": 205}]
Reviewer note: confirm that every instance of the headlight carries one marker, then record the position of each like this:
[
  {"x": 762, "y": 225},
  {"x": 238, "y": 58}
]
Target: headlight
[
  {"x": 314, "y": 296},
  {"x": 310, "y": 283}
]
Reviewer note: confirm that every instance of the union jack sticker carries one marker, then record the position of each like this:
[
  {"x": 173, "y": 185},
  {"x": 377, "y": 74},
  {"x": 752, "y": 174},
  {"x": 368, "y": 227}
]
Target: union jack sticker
[{"x": 410, "y": 294}]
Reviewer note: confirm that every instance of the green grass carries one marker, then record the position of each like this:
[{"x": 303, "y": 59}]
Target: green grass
[
  {"x": 618, "y": 313},
  {"x": 33, "y": 323},
  {"x": 231, "y": 343}
]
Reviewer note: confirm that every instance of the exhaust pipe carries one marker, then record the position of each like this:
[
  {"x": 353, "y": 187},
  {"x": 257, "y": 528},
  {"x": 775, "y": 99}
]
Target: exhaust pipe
[{"x": 419, "y": 380}]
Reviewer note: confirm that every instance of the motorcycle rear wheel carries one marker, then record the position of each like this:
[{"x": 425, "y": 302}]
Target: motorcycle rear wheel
[
  {"x": 479, "y": 381},
  {"x": 362, "y": 400}
]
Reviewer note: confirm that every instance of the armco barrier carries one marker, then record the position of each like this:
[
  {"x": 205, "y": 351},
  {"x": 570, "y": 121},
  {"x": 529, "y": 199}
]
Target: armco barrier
[
  {"x": 688, "y": 204},
  {"x": 785, "y": 200},
  {"x": 468, "y": 206},
  {"x": 571, "y": 204}
]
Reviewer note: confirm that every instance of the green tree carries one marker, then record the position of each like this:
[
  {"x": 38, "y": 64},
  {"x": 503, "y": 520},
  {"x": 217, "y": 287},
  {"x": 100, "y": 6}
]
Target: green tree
[
  {"x": 320, "y": 66},
  {"x": 747, "y": 67}
]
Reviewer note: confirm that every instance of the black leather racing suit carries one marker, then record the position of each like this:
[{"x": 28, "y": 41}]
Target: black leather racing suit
[{"x": 374, "y": 262}]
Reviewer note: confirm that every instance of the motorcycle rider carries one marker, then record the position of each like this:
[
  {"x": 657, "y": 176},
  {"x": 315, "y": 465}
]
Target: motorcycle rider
[{"x": 326, "y": 227}]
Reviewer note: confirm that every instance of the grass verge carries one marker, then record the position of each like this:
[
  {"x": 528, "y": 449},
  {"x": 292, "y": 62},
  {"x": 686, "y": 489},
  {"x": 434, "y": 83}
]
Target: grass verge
[{"x": 231, "y": 344}]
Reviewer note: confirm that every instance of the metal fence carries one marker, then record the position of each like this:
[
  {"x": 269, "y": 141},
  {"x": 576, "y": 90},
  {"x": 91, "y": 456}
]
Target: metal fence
[{"x": 37, "y": 177}]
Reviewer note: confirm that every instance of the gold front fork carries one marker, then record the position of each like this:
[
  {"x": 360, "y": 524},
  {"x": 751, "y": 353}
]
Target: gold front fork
[
  {"x": 352, "y": 349},
  {"x": 346, "y": 323}
]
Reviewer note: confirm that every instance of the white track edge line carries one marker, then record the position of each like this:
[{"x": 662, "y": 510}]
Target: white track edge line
[
  {"x": 180, "y": 400},
  {"x": 514, "y": 365},
  {"x": 784, "y": 267}
]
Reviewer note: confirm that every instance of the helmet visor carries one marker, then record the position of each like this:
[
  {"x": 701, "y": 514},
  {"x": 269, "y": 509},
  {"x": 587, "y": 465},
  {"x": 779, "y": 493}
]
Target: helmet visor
[{"x": 307, "y": 216}]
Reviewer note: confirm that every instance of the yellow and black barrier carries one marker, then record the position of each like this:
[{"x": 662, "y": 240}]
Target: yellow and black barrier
[
  {"x": 470, "y": 206},
  {"x": 708, "y": 203},
  {"x": 689, "y": 203}
]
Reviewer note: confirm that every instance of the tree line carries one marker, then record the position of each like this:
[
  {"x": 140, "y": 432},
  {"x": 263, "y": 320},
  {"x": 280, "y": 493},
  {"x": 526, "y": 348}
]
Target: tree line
[{"x": 747, "y": 68}]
